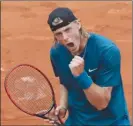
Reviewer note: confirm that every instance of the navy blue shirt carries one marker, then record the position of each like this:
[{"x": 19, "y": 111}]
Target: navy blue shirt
[{"x": 102, "y": 63}]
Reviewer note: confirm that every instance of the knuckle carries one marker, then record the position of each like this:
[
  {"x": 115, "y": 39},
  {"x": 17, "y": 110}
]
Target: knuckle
[{"x": 52, "y": 122}]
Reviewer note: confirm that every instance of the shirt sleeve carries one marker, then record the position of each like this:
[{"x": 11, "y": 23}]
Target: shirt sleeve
[
  {"x": 54, "y": 68},
  {"x": 109, "y": 72},
  {"x": 56, "y": 72},
  {"x": 55, "y": 63}
]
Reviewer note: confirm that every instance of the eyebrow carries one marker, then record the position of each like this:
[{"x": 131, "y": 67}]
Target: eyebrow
[
  {"x": 63, "y": 30},
  {"x": 59, "y": 32}
]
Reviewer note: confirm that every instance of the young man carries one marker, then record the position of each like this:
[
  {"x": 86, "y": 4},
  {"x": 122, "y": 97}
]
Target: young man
[{"x": 88, "y": 66}]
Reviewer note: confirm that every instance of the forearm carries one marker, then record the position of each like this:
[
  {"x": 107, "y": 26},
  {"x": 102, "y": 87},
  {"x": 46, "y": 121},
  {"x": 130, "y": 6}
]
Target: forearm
[
  {"x": 98, "y": 96},
  {"x": 63, "y": 96}
]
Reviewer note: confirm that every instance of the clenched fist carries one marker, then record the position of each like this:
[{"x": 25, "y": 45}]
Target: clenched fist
[{"x": 77, "y": 65}]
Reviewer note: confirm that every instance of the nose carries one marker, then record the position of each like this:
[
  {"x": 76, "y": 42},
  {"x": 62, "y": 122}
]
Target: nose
[{"x": 65, "y": 36}]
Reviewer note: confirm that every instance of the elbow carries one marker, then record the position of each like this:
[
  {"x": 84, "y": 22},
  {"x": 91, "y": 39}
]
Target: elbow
[
  {"x": 103, "y": 104},
  {"x": 101, "y": 107}
]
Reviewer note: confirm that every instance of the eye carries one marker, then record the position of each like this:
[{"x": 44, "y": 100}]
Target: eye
[
  {"x": 67, "y": 29},
  {"x": 58, "y": 34}
]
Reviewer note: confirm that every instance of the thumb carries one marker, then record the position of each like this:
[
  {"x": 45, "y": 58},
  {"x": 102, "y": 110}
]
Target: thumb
[{"x": 60, "y": 111}]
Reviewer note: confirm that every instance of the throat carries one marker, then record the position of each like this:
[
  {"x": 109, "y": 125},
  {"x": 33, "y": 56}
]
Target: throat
[{"x": 82, "y": 46}]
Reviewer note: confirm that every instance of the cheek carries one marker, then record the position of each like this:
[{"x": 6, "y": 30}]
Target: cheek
[{"x": 75, "y": 35}]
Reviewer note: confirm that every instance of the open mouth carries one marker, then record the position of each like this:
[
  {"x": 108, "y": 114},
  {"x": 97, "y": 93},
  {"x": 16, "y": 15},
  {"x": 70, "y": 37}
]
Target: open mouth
[{"x": 70, "y": 44}]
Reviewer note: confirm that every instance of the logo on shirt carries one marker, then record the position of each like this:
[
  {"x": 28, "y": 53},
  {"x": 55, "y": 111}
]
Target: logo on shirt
[{"x": 91, "y": 70}]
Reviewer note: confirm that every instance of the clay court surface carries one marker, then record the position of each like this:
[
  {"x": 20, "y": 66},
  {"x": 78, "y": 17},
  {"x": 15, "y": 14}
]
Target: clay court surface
[{"x": 26, "y": 38}]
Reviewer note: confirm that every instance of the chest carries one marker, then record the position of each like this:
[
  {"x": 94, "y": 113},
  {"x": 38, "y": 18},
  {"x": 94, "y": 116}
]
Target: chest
[{"x": 91, "y": 66}]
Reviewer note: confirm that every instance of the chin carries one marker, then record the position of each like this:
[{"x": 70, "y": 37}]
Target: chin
[{"x": 76, "y": 51}]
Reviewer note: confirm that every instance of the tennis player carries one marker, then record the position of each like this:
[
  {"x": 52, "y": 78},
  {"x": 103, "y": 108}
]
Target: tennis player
[{"x": 89, "y": 69}]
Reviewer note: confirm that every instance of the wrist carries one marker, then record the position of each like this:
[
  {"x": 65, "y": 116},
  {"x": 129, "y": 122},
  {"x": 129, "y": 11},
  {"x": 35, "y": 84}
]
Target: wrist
[
  {"x": 63, "y": 107},
  {"x": 84, "y": 80}
]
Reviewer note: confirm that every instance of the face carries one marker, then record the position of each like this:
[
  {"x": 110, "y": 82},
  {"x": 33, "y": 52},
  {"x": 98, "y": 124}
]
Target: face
[{"x": 69, "y": 36}]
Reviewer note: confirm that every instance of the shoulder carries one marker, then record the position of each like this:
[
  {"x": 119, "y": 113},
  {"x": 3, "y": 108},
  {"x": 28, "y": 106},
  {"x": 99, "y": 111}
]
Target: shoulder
[
  {"x": 55, "y": 50},
  {"x": 103, "y": 43}
]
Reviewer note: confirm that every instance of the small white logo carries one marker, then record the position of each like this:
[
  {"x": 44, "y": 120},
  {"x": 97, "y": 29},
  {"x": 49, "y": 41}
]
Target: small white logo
[
  {"x": 92, "y": 70},
  {"x": 57, "y": 21}
]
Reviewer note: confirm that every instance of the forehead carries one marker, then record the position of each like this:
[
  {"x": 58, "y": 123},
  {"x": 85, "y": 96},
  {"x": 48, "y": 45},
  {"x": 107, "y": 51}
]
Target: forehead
[{"x": 63, "y": 28}]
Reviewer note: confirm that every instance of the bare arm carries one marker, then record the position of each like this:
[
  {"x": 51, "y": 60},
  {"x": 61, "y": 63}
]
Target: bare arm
[
  {"x": 64, "y": 96},
  {"x": 98, "y": 96},
  {"x": 62, "y": 108}
]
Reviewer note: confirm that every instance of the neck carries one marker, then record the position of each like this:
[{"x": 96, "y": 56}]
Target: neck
[{"x": 83, "y": 42}]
